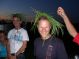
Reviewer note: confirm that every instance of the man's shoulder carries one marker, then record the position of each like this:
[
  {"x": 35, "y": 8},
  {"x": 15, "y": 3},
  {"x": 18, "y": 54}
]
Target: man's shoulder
[
  {"x": 56, "y": 39},
  {"x": 12, "y": 30},
  {"x": 23, "y": 30}
]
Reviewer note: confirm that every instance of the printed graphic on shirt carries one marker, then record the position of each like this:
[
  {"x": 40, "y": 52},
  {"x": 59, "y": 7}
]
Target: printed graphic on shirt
[
  {"x": 17, "y": 36},
  {"x": 49, "y": 52}
]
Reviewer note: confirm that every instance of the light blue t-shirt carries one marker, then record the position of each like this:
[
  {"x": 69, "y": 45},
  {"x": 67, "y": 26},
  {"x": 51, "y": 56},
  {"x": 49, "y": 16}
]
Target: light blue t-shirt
[{"x": 3, "y": 51}]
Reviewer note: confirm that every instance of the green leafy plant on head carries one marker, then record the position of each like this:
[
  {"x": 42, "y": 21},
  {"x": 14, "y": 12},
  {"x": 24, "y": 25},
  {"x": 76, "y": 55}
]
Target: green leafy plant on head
[{"x": 55, "y": 25}]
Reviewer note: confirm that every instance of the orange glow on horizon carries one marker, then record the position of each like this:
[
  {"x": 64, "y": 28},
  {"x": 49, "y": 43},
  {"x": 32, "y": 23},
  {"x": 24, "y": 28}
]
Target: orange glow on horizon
[{"x": 4, "y": 17}]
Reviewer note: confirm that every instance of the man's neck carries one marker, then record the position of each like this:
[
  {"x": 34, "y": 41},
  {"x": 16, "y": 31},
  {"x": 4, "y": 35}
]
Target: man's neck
[
  {"x": 18, "y": 28},
  {"x": 48, "y": 36}
]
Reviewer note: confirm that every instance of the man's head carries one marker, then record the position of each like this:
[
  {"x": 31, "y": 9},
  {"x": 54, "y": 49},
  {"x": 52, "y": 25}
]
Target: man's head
[
  {"x": 2, "y": 35},
  {"x": 16, "y": 21},
  {"x": 43, "y": 26},
  {"x": 54, "y": 25}
]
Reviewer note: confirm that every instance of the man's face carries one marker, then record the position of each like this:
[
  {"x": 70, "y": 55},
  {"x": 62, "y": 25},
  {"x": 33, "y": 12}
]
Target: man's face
[
  {"x": 44, "y": 28},
  {"x": 16, "y": 22},
  {"x": 2, "y": 37}
]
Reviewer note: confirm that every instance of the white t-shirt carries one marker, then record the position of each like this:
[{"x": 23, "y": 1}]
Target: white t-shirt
[{"x": 16, "y": 38}]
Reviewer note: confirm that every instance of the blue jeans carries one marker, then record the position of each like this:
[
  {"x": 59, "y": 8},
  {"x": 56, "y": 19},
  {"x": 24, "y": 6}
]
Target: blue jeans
[{"x": 20, "y": 56}]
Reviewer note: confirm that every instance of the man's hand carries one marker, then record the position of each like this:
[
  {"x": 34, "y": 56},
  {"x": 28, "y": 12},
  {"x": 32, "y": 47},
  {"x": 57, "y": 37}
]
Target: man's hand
[
  {"x": 12, "y": 57},
  {"x": 61, "y": 12}
]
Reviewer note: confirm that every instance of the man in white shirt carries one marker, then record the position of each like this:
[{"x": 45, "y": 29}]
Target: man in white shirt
[{"x": 18, "y": 38}]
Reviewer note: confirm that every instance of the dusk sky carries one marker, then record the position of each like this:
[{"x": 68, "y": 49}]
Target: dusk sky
[{"x": 8, "y": 7}]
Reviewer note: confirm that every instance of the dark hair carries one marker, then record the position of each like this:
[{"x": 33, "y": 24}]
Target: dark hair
[
  {"x": 1, "y": 31},
  {"x": 4, "y": 33},
  {"x": 18, "y": 16},
  {"x": 4, "y": 36}
]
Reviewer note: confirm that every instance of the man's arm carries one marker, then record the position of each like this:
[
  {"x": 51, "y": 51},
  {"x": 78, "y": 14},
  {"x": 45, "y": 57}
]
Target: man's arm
[
  {"x": 8, "y": 49},
  {"x": 22, "y": 49},
  {"x": 68, "y": 24}
]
